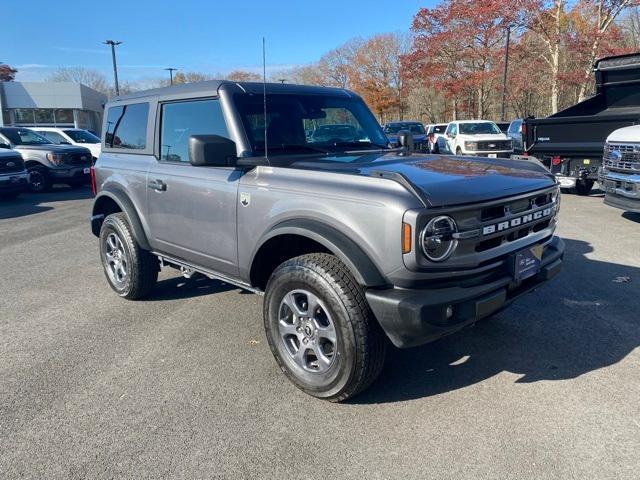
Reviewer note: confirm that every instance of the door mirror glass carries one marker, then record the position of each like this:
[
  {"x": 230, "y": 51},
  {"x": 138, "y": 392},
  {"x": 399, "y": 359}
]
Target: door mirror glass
[{"x": 212, "y": 151}]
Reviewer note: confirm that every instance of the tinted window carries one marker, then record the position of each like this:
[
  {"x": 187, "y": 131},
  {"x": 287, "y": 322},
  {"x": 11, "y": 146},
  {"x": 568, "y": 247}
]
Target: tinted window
[
  {"x": 181, "y": 120},
  {"x": 394, "y": 128},
  {"x": 55, "y": 137},
  {"x": 515, "y": 126},
  {"x": 479, "y": 128},
  {"x": 127, "y": 126},
  {"x": 439, "y": 128},
  {"x": 82, "y": 136},
  {"x": 24, "y": 136}
]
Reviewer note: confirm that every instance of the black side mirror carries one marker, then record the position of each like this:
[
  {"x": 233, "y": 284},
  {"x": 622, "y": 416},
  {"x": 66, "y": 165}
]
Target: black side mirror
[
  {"x": 5, "y": 145},
  {"x": 405, "y": 139},
  {"x": 212, "y": 151}
]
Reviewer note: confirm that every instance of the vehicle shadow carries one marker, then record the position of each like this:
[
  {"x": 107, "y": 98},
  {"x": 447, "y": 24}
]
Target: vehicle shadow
[
  {"x": 583, "y": 320},
  {"x": 179, "y": 288},
  {"x": 31, "y": 203},
  {"x": 633, "y": 216}
]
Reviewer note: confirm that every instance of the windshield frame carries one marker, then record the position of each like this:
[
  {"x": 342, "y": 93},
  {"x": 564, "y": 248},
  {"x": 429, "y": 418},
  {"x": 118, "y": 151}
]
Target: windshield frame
[{"x": 244, "y": 106}]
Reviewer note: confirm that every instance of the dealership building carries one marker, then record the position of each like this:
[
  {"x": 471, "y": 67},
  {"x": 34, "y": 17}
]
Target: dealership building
[{"x": 51, "y": 104}]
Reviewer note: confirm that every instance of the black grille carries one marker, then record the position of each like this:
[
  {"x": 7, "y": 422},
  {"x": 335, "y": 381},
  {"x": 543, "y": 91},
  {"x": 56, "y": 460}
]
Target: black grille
[
  {"x": 78, "y": 159},
  {"x": 11, "y": 165},
  {"x": 495, "y": 145}
]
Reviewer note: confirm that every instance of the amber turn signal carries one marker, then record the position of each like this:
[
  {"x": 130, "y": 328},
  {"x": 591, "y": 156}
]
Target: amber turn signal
[{"x": 406, "y": 238}]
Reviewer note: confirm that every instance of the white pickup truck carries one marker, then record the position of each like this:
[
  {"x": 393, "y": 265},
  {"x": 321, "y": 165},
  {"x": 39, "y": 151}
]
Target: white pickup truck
[
  {"x": 620, "y": 172},
  {"x": 480, "y": 138}
]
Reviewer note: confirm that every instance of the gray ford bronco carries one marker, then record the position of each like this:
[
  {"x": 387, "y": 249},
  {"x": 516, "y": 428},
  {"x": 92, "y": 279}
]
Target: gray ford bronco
[{"x": 352, "y": 243}]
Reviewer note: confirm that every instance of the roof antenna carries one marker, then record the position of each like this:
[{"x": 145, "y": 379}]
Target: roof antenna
[{"x": 264, "y": 97}]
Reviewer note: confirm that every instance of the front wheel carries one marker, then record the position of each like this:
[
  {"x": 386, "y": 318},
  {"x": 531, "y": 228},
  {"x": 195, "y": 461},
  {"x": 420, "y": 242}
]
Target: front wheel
[
  {"x": 131, "y": 271},
  {"x": 320, "y": 328},
  {"x": 39, "y": 180}
]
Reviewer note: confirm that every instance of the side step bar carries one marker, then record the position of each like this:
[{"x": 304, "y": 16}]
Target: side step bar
[{"x": 188, "y": 270}]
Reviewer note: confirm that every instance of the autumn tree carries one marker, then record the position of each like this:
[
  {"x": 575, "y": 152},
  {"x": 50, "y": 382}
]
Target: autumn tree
[
  {"x": 7, "y": 74},
  {"x": 91, "y": 78},
  {"x": 243, "y": 76}
]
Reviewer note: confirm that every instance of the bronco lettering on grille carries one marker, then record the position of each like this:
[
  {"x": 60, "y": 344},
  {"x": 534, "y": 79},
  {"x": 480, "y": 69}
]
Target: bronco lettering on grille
[{"x": 517, "y": 221}]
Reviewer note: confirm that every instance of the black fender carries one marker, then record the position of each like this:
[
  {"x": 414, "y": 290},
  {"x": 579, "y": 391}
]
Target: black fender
[
  {"x": 357, "y": 261},
  {"x": 126, "y": 206}
]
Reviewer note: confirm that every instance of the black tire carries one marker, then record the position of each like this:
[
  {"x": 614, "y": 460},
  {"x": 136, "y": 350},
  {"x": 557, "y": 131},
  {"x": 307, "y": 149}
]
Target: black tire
[
  {"x": 583, "y": 187},
  {"x": 141, "y": 266},
  {"x": 39, "y": 180},
  {"x": 358, "y": 354}
]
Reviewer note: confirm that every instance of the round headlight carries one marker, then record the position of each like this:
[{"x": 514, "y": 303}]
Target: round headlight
[{"x": 437, "y": 238}]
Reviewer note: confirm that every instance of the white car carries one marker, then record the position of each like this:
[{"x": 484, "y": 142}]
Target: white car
[
  {"x": 71, "y": 136},
  {"x": 480, "y": 138},
  {"x": 619, "y": 176}
]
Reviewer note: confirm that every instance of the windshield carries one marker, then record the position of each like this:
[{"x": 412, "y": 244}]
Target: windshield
[
  {"x": 439, "y": 128},
  {"x": 394, "y": 128},
  {"x": 24, "y": 136},
  {"x": 298, "y": 122},
  {"x": 82, "y": 136},
  {"x": 478, "y": 128}
]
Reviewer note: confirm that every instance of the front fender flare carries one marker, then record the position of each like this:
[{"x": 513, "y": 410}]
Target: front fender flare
[{"x": 357, "y": 261}]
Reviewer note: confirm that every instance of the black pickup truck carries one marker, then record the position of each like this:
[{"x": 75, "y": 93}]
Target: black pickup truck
[{"x": 570, "y": 143}]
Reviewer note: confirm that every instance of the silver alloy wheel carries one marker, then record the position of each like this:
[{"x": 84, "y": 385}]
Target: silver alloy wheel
[
  {"x": 307, "y": 331},
  {"x": 116, "y": 260}
]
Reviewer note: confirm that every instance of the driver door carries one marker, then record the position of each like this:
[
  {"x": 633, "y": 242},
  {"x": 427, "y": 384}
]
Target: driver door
[{"x": 192, "y": 209}]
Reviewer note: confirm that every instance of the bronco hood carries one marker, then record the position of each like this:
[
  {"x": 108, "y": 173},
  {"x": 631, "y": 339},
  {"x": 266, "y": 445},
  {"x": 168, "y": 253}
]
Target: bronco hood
[{"x": 443, "y": 180}]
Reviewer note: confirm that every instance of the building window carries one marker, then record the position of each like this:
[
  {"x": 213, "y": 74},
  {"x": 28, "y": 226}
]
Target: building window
[
  {"x": 44, "y": 115},
  {"x": 24, "y": 116},
  {"x": 64, "y": 116}
]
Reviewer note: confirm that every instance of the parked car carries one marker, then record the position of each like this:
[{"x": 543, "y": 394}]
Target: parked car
[
  {"x": 13, "y": 175},
  {"x": 620, "y": 173},
  {"x": 72, "y": 136},
  {"x": 515, "y": 134},
  {"x": 335, "y": 133},
  {"x": 480, "y": 138},
  {"x": 349, "y": 243},
  {"x": 435, "y": 131},
  {"x": 570, "y": 143},
  {"x": 418, "y": 131},
  {"x": 46, "y": 162}
]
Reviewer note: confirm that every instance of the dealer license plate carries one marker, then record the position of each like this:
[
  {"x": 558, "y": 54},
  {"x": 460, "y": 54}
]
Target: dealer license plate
[
  {"x": 86, "y": 170},
  {"x": 493, "y": 155},
  {"x": 526, "y": 263}
]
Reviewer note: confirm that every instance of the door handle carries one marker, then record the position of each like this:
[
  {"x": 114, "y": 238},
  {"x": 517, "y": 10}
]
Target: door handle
[{"x": 158, "y": 185}]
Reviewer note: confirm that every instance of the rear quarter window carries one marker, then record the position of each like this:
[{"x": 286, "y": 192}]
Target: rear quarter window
[{"x": 127, "y": 126}]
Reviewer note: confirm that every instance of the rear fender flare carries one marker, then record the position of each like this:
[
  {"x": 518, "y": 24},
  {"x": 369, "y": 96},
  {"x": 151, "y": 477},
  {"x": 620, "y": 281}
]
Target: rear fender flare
[{"x": 127, "y": 207}]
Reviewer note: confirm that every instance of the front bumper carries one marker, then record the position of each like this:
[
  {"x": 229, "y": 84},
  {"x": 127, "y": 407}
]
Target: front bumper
[
  {"x": 73, "y": 173},
  {"x": 412, "y": 317},
  {"x": 621, "y": 190},
  {"x": 498, "y": 154},
  {"x": 13, "y": 182}
]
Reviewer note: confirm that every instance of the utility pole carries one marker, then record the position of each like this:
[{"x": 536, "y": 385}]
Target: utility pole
[
  {"x": 504, "y": 76},
  {"x": 115, "y": 68},
  {"x": 171, "y": 70}
]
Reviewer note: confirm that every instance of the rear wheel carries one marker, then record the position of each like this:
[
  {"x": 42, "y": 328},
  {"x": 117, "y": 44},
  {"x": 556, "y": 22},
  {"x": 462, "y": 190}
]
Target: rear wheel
[
  {"x": 39, "y": 180},
  {"x": 131, "y": 271},
  {"x": 320, "y": 328},
  {"x": 583, "y": 187}
]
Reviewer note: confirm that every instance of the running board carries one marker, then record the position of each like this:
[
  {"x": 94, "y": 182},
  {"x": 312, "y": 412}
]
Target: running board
[{"x": 187, "y": 270}]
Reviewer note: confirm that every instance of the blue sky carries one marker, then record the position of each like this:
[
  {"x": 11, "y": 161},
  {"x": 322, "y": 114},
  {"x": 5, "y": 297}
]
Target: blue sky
[{"x": 214, "y": 36}]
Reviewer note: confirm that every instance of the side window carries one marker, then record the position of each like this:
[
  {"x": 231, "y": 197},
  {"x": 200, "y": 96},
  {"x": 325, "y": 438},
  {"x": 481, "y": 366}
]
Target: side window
[
  {"x": 453, "y": 129},
  {"x": 55, "y": 137},
  {"x": 180, "y": 120},
  {"x": 127, "y": 126},
  {"x": 513, "y": 128}
]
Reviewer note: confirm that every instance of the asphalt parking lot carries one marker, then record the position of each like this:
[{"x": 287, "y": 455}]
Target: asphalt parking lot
[{"x": 183, "y": 385}]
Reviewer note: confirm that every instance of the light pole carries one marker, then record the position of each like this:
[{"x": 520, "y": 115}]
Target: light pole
[
  {"x": 113, "y": 44},
  {"x": 504, "y": 76},
  {"x": 171, "y": 70}
]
